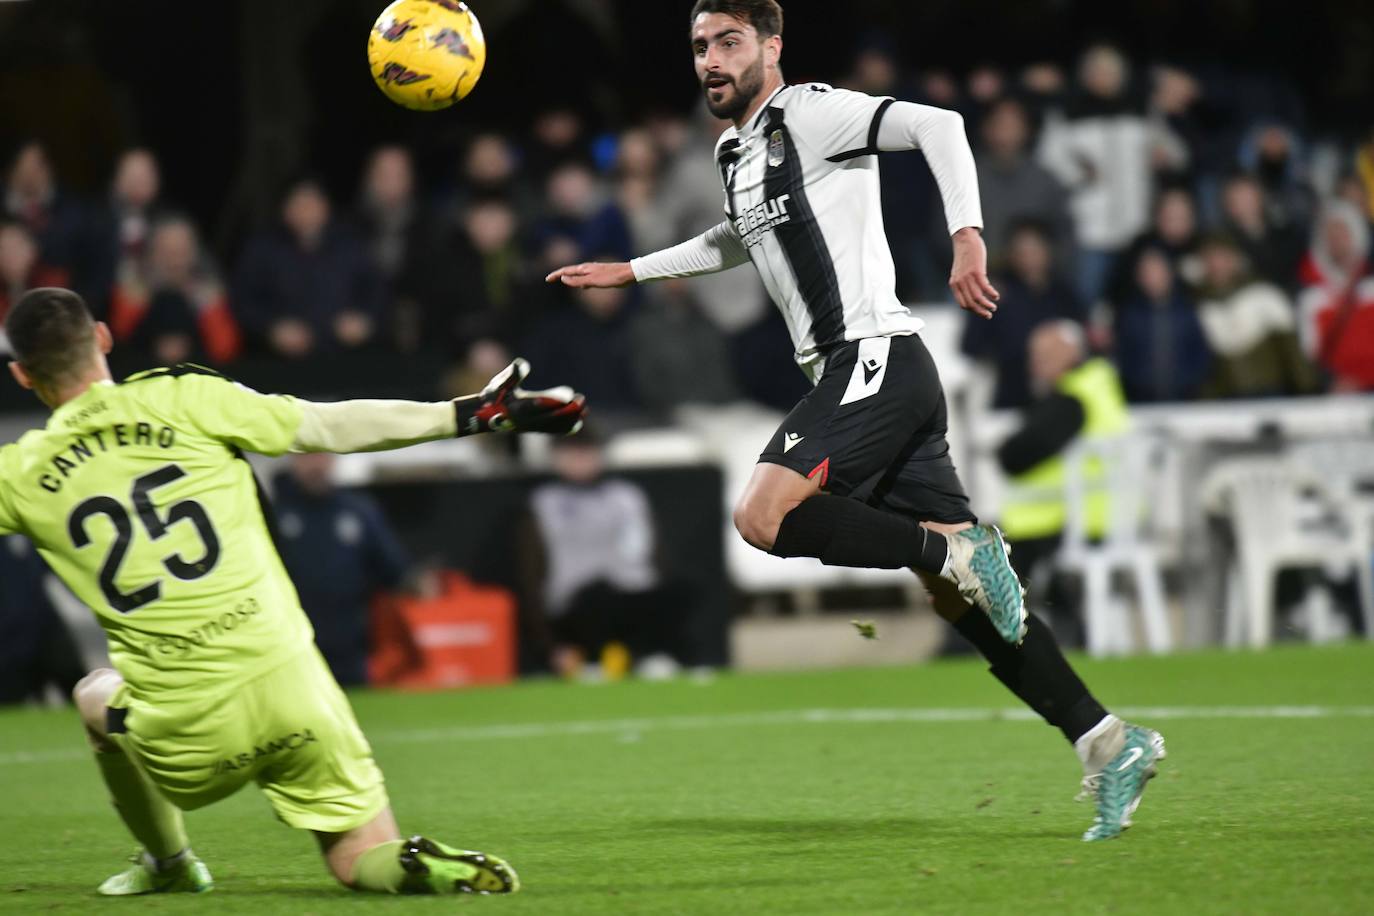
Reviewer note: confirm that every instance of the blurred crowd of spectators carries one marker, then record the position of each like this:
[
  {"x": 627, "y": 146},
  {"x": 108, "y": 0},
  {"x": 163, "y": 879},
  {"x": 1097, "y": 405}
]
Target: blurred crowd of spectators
[{"x": 1211, "y": 248}]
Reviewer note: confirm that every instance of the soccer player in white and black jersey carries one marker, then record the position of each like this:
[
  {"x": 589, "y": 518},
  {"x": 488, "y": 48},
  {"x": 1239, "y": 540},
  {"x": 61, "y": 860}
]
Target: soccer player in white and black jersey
[{"x": 859, "y": 473}]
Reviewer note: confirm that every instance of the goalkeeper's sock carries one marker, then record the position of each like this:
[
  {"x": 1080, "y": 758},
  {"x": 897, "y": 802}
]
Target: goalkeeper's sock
[
  {"x": 152, "y": 819},
  {"x": 845, "y": 532},
  {"x": 379, "y": 868},
  {"x": 1037, "y": 672}
]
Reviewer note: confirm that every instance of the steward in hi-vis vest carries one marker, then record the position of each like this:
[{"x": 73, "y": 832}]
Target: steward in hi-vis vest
[{"x": 1085, "y": 402}]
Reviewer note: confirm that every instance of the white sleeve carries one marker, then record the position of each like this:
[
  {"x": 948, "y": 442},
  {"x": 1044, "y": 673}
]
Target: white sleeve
[
  {"x": 836, "y": 124},
  {"x": 372, "y": 426},
  {"x": 716, "y": 249},
  {"x": 939, "y": 134}
]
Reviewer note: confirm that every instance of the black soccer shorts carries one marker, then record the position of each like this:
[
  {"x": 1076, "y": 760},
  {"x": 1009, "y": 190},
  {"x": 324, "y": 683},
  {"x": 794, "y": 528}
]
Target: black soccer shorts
[{"x": 874, "y": 429}]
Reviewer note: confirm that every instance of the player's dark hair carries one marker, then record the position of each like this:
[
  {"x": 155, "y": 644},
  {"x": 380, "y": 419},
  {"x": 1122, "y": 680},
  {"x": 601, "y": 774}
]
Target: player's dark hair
[
  {"x": 764, "y": 15},
  {"x": 51, "y": 333}
]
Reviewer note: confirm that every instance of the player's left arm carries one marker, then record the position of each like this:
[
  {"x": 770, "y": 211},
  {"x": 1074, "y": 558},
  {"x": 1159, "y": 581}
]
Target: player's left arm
[
  {"x": 840, "y": 124},
  {"x": 501, "y": 407},
  {"x": 939, "y": 134},
  {"x": 9, "y": 519},
  {"x": 276, "y": 424}
]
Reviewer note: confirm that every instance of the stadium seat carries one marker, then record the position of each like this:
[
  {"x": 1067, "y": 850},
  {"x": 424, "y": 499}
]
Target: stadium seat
[
  {"x": 1346, "y": 465},
  {"x": 1285, "y": 514},
  {"x": 1130, "y": 465}
]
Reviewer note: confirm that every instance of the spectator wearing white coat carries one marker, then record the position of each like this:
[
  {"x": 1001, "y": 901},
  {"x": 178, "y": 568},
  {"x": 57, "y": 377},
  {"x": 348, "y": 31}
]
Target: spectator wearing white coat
[{"x": 1105, "y": 148}]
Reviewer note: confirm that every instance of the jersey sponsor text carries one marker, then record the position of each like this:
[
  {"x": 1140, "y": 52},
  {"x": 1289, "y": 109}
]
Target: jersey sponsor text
[{"x": 756, "y": 222}]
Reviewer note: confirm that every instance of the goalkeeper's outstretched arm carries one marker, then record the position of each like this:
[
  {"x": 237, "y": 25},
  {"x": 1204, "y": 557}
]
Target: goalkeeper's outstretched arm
[
  {"x": 718, "y": 248},
  {"x": 503, "y": 406}
]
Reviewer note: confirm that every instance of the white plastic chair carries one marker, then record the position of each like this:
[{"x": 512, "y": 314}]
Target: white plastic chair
[
  {"x": 1284, "y": 515},
  {"x": 1128, "y": 466},
  {"x": 1346, "y": 468}
]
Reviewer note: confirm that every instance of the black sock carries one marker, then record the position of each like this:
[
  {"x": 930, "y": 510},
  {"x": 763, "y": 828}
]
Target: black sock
[
  {"x": 845, "y": 532},
  {"x": 1037, "y": 672}
]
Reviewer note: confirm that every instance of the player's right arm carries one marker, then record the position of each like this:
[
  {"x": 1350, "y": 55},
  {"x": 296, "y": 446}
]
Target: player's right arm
[
  {"x": 276, "y": 424},
  {"x": 718, "y": 248}
]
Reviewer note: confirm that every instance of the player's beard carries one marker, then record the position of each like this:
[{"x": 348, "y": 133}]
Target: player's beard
[{"x": 746, "y": 89}]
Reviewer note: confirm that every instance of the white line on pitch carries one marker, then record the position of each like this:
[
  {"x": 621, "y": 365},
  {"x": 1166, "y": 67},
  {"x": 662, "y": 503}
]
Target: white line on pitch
[
  {"x": 781, "y": 717},
  {"x": 846, "y": 716}
]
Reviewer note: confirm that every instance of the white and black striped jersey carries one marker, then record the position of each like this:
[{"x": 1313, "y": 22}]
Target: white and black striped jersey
[{"x": 801, "y": 187}]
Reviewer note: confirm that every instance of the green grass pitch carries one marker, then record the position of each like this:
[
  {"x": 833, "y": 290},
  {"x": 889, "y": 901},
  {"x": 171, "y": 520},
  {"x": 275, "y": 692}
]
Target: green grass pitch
[{"x": 898, "y": 790}]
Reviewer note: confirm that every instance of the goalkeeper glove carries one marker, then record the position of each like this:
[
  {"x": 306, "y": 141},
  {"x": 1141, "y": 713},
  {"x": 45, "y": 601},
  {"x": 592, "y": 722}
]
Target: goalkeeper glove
[{"x": 504, "y": 407}]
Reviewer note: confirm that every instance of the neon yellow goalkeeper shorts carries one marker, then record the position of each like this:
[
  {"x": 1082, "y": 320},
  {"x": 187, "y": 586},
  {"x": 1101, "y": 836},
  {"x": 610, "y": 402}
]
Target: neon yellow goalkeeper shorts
[{"x": 290, "y": 730}]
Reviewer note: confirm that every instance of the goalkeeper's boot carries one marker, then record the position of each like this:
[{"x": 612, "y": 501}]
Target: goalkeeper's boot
[
  {"x": 186, "y": 874},
  {"x": 433, "y": 868},
  {"x": 1117, "y": 787},
  {"x": 979, "y": 564}
]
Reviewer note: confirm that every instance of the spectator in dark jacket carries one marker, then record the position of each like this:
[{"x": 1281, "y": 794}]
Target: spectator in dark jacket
[
  {"x": 588, "y": 347},
  {"x": 56, "y": 221},
  {"x": 581, "y": 214},
  {"x": 1032, "y": 293},
  {"x": 478, "y": 285},
  {"x": 908, "y": 190},
  {"x": 1174, "y": 232},
  {"x": 395, "y": 226},
  {"x": 1273, "y": 251},
  {"x": 1274, "y": 154},
  {"x": 339, "y": 551},
  {"x": 679, "y": 357},
  {"x": 557, "y": 136},
  {"x": 307, "y": 286},
  {"x": 1015, "y": 187},
  {"x": 121, "y": 228},
  {"x": 1160, "y": 347}
]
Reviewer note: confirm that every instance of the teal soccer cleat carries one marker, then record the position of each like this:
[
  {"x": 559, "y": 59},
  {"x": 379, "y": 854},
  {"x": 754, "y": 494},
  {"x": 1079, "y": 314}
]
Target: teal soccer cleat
[
  {"x": 187, "y": 876},
  {"x": 1118, "y": 787},
  {"x": 979, "y": 565}
]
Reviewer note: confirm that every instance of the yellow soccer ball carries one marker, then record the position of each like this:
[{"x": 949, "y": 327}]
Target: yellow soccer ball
[{"x": 426, "y": 54}]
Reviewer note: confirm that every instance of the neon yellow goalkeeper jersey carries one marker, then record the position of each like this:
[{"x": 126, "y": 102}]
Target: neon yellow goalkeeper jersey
[{"x": 137, "y": 496}]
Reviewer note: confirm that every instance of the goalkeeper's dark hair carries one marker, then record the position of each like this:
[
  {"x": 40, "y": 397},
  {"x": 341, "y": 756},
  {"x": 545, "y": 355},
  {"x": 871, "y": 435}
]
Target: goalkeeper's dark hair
[
  {"x": 52, "y": 334},
  {"x": 764, "y": 15}
]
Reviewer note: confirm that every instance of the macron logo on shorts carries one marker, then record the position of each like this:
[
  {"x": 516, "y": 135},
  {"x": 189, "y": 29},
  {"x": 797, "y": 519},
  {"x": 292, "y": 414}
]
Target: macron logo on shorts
[
  {"x": 869, "y": 369},
  {"x": 791, "y": 441}
]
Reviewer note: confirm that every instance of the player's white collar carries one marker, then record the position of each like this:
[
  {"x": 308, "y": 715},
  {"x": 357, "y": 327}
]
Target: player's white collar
[{"x": 758, "y": 115}]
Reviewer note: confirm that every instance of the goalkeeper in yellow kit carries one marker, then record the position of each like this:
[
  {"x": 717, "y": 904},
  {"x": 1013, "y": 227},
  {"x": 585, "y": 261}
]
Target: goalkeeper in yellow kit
[{"x": 138, "y": 497}]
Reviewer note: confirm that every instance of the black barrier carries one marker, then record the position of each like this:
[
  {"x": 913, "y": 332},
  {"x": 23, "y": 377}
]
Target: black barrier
[{"x": 472, "y": 525}]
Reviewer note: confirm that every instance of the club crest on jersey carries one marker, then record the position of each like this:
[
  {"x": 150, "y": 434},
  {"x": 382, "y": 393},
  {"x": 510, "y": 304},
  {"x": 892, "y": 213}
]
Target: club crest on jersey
[{"x": 777, "y": 149}]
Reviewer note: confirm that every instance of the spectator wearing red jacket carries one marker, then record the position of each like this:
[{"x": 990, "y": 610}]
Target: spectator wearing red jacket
[
  {"x": 20, "y": 269},
  {"x": 1337, "y": 300},
  {"x": 173, "y": 307}
]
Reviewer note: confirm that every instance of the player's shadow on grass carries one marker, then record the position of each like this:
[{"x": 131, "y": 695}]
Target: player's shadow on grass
[{"x": 794, "y": 831}]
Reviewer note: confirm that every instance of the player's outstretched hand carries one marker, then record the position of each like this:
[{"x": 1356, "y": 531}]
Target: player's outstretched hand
[
  {"x": 504, "y": 407},
  {"x": 969, "y": 277},
  {"x": 593, "y": 274}
]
